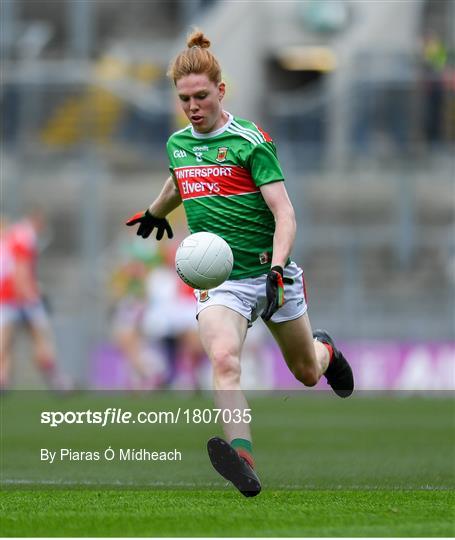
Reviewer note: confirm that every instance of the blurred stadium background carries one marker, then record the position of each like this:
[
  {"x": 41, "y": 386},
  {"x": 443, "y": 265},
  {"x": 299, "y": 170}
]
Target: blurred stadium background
[{"x": 360, "y": 99}]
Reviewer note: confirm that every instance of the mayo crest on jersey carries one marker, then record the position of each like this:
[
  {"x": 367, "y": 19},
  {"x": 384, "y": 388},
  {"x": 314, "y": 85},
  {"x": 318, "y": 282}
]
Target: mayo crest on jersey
[{"x": 218, "y": 176}]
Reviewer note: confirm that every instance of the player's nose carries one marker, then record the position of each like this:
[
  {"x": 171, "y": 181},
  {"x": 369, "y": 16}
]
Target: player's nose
[{"x": 193, "y": 105}]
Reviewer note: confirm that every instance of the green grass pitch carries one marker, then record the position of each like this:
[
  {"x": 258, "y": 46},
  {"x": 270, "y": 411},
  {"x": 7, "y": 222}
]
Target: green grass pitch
[{"x": 373, "y": 465}]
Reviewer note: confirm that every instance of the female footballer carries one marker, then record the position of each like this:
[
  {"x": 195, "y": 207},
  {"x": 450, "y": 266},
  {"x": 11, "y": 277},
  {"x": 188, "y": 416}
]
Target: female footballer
[{"x": 225, "y": 171}]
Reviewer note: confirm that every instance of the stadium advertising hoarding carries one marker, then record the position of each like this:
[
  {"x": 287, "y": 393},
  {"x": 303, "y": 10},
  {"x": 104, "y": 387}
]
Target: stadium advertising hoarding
[{"x": 378, "y": 365}]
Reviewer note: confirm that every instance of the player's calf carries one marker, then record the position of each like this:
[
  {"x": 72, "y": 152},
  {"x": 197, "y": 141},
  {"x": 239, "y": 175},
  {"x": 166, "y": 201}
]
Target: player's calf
[{"x": 306, "y": 374}]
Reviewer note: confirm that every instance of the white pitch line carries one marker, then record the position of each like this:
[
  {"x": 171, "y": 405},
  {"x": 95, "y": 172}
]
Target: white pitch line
[
  {"x": 310, "y": 487},
  {"x": 23, "y": 481}
]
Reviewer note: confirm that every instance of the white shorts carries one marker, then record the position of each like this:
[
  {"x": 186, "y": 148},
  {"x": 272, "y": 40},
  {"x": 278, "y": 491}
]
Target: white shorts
[
  {"x": 34, "y": 314},
  {"x": 170, "y": 319},
  {"x": 248, "y": 297}
]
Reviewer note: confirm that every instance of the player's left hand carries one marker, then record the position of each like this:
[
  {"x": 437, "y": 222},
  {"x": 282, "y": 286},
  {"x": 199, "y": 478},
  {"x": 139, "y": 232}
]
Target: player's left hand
[{"x": 275, "y": 291}]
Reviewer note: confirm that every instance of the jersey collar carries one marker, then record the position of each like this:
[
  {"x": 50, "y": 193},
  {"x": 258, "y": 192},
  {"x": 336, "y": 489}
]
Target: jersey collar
[{"x": 218, "y": 131}]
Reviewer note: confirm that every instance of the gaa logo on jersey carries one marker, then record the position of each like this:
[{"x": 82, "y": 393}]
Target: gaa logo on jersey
[
  {"x": 222, "y": 153},
  {"x": 179, "y": 154}
]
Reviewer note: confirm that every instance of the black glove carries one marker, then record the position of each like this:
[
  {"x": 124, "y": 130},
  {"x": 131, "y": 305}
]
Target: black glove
[
  {"x": 275, "y": 291},
  {"x": 148, "y": 223}
]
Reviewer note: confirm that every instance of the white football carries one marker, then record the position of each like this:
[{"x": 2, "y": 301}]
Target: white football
[{"x": 204, "y": 260}]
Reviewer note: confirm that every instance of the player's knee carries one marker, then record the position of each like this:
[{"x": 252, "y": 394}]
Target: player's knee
[
  {"x": 226, "y": 365},
  {"x": 306, "y": 375}
]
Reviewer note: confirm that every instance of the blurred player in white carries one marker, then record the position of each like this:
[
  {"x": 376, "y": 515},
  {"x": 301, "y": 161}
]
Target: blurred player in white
[
  {"x": 169, "y": 320},
  {"x": 21, "y": 300},
  {"x": 226, "y": 172},
  {"x": 128, "y": 288}
]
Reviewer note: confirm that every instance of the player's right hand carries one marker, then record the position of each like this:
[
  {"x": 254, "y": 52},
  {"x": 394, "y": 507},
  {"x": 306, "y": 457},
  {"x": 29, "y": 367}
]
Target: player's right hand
[{"x": 148, "y": 222}]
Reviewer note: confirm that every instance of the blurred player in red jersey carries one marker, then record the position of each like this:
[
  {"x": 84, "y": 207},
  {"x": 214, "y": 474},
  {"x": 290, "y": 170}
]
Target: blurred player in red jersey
[{"x": 21, "y": 300}]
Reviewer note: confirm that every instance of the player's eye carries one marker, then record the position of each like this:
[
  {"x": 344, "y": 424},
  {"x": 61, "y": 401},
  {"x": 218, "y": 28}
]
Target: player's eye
[
  {"x": 201, "y": 96},
  {"x": 184, "y": 98}
]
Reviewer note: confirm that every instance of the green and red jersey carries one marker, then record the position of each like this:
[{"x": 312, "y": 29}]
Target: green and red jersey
[{"x": 219, "y": 175}]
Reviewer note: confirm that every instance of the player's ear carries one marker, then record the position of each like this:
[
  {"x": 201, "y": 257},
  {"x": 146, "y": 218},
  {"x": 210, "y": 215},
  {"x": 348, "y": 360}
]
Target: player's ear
[{"x": 221, "y": 90}]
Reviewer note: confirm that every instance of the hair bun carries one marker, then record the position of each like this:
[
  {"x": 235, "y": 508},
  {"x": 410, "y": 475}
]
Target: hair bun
[
  {"x": 196, "y": 58},
  {"x": 197, "y": 39}
]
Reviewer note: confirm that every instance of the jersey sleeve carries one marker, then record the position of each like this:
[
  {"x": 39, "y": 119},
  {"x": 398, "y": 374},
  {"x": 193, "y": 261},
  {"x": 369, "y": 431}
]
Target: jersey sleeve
[
  {"x": 264, "y": 165},
  {"x": 169, "y": 156}
]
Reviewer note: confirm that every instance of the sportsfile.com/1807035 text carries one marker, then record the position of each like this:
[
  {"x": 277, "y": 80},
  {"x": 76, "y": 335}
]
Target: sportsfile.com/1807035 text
[{"x": 113, "y": 415}]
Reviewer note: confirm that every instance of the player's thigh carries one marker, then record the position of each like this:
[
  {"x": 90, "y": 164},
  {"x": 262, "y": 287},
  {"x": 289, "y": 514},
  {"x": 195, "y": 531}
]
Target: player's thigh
[
  {"x": 6, "y": 336},
  {"x": 37, "y": 319},
  {"x": 222, "y": 331},
  {"x": 295, "y": 339},
  {"x": 40, "y": 330}
]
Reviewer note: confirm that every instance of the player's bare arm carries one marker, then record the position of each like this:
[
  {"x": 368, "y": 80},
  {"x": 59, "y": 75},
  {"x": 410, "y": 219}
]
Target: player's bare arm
[
  {"x": 168, "y": 199},
  {"x": 277, "y": 199}
]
